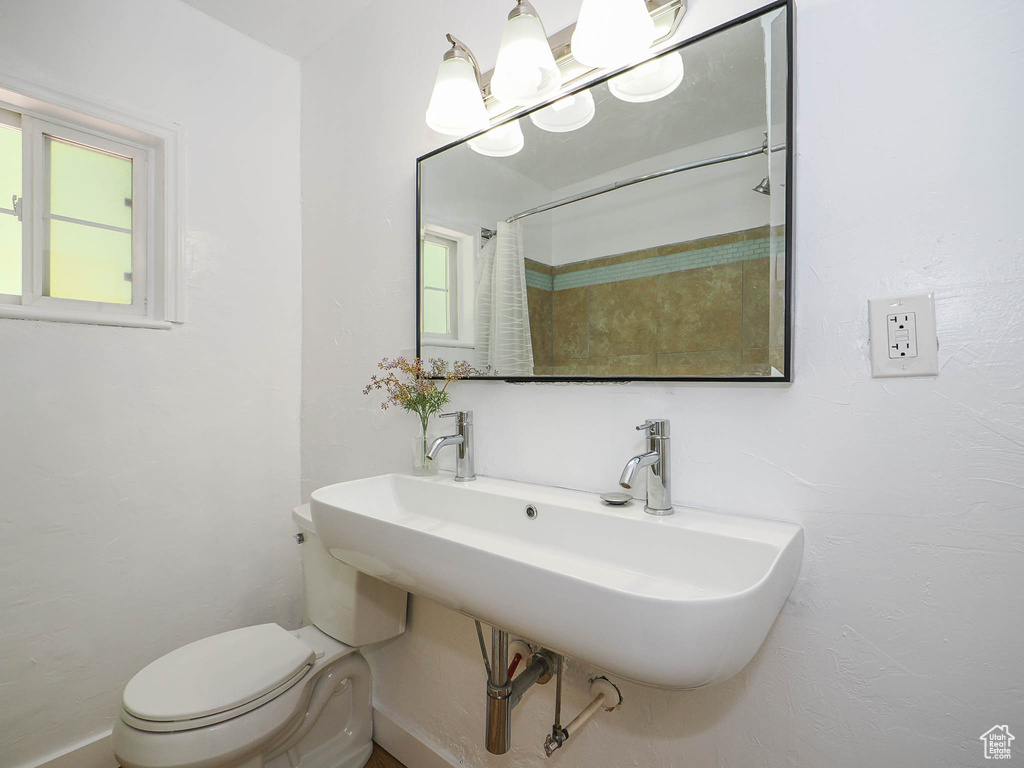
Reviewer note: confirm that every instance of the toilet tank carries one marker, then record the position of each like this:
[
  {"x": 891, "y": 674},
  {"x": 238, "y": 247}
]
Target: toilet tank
[{"x": 348, "y": 605}]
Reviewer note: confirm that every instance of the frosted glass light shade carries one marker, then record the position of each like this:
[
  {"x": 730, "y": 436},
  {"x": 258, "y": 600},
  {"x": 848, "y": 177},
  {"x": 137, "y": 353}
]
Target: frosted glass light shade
[
  {"x": 612, "y": 33},
  {"x": 649, "y": 81},
  {"x": 501, "y": 141},
  {"x": 456, "y": 105},
  {"x": 525, "y": 71},
  {"x": 566, "y": 114}
]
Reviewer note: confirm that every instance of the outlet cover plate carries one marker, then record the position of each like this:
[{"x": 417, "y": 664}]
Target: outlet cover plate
[{"x": 925, "y": 361}]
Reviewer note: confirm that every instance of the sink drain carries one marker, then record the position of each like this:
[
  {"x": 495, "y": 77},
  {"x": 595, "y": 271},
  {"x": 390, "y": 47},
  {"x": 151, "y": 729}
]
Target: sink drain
[{"x": 531, "y": 511}]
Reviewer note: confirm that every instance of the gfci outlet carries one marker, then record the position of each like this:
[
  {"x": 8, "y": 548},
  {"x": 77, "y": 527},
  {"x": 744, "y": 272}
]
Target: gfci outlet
[
  {"x": 902, "y": 327},
  {"x": 903, "y": 338}
]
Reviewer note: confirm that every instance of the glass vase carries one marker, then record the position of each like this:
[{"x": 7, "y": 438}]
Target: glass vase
[{"x": 421, "y": 465}]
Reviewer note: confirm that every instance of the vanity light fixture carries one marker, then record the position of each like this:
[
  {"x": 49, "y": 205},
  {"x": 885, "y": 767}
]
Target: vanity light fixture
[
  {"x": 650, "y": 81},
  {"x": 566, "y": 114},
  {"x": 532, "y": 68},
  {"x": 525, "y": 72},
  {"x": 457, "y": 104},
  {"x": 612, "y": 33},
  {"x": 501, "y": 141}
]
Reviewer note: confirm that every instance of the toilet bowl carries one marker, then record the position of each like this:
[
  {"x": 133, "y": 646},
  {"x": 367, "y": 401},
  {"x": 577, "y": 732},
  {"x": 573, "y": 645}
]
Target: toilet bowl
[{"x": 264, "y": 697}]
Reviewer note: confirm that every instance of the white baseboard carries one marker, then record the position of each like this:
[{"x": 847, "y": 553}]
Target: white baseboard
[
  {"x": 93, "y": 752},
  {"x": 407, "y": 745}
]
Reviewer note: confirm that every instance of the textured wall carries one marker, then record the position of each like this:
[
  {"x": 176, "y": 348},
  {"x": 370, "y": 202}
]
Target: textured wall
[
  {"x": 900, "y": 643},
  {"x": 147, "y": 475}
]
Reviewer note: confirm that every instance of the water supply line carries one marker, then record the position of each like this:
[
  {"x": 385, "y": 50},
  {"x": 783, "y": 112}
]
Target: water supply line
[
  {"x": 606, "y": 696},
  {"x": 558, "y": 734},
  {"x": 483, "y": 648}
]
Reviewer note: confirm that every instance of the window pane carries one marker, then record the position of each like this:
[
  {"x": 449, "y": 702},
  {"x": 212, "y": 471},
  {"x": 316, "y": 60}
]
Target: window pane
[
  {"x": 435, "y": 265},
  {"x": 90, "y": 185},
  {"x": 89, "y": 264},
  {"x": 435, "y": 311},
  {"x": 10, "y": 227}
]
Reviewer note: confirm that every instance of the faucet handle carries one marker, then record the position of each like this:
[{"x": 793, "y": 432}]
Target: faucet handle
[
  {"x": 656, "y": 427},
  {"x": 461, "y": 417}
]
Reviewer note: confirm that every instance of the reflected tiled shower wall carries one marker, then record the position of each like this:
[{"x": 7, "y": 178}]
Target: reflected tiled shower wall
[{"x": 700, "y": 308}]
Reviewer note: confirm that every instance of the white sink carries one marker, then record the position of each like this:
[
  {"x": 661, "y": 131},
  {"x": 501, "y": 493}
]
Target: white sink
[{"x": 674, "y": 602}]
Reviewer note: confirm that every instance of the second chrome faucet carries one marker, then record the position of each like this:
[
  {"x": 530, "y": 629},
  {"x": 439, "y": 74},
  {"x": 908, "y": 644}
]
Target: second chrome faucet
[
  {"x": 463, "y": 442},
  {"x": 658, "y": 462}
]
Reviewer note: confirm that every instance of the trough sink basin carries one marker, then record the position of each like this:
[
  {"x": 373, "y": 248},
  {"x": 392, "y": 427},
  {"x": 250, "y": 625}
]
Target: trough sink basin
[{"x": 673, "y": 602}]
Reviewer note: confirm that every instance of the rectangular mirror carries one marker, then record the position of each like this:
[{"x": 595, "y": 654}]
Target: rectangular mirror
[{"x": 633, "y": 230}]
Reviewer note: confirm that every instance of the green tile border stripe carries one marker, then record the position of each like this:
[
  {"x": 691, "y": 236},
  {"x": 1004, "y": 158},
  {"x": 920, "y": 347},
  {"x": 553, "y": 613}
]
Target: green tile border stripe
[
  {"x": 699, "y": 244},
  {"x": 657, "y": 265},
  {"x": 540, "y": 280}
]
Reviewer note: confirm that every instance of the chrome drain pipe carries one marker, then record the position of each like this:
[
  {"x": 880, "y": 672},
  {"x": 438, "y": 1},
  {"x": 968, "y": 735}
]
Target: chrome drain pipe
[
  {"x": 498, "y": 736},
  {"x": 504, "y": 694}
]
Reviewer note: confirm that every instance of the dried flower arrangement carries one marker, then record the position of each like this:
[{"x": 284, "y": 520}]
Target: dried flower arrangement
[{"x": 412, "y": 384}]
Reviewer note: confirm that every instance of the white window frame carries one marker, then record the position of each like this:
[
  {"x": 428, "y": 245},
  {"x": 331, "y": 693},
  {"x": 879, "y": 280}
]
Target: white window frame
[
  {"x": 13, "y": 120},
  {"x": 460, "y": 282},
  {"x": 157, "y": 279},
  {"x": 35, "y": 263},
  {"x": 453, "y": 247}
]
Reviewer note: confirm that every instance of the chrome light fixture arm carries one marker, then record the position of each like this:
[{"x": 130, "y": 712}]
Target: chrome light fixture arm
[
  {"x": 460, "y": 50},
  {"x": 523, "y": 8}
]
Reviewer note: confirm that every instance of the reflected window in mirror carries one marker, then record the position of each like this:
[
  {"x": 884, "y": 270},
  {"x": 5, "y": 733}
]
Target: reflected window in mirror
[
  {"x": 446, "y": 292},
  {"x": 440, "y": 315}
]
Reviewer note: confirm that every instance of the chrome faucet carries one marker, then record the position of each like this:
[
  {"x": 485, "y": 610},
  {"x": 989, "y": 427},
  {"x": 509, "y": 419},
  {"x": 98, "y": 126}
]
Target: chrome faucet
[
  {"x": 463, "y": 442},
  {"x": 658, "y": 460}
]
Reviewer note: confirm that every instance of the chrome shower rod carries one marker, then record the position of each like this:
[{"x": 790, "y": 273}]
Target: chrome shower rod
[{"x": 645, "y": 177}]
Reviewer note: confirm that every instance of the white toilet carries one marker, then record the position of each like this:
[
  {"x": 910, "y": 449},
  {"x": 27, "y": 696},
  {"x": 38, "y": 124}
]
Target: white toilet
[{"x": 264, "y": 697}]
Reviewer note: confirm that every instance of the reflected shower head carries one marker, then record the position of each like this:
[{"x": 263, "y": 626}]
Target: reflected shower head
[{"x": 764, "y": 187}]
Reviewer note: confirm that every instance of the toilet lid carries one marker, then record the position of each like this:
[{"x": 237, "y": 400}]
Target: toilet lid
[{"x": 216, "y": 674}]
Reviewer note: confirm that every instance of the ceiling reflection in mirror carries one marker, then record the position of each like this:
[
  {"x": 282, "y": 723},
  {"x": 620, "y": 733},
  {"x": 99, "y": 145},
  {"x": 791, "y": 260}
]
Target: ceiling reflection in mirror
[{"x": 634, "y": 230}]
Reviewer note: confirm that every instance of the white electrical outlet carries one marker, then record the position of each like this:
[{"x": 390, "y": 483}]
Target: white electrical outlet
[
  {"x": 902, "y": 328},
  {"x": 903, "y": 337}
]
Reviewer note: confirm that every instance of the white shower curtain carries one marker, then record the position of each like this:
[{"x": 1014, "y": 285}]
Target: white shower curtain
[{"x": 502, "y": 316}]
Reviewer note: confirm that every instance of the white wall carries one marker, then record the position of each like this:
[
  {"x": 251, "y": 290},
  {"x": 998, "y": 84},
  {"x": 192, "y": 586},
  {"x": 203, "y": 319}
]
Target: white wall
[
  {"x": 466, "y": 191},
  {"x": 900, "y": 643},
  {"x": 146, "y": 476},
  {"x": 675, "y": 209}
]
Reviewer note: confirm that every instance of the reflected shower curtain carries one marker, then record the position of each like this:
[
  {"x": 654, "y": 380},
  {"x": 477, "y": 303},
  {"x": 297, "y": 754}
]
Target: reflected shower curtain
[{"x": 502, "y": 317}]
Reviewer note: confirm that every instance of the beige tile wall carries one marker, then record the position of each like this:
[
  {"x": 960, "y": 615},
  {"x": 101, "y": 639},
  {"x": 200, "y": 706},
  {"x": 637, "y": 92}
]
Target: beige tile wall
[{"x": 708, "y": 321}]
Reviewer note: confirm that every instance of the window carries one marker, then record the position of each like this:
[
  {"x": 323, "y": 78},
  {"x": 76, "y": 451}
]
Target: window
[
  {"x": 439, "y": 316},
  {"x": 447, "y": 311},
  {"x": 84, "y": 225}
]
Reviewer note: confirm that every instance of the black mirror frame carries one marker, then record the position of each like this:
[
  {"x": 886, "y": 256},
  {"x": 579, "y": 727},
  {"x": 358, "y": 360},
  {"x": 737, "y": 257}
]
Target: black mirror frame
[{"x": 787, "y": 376}]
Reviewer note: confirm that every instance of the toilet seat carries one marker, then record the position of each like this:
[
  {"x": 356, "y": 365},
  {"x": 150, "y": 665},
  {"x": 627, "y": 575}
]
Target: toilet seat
[
  {"x": 216, "y": 679},
  {"x": 170, "y": 726},
  {"x": 266, "y": 730}
]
